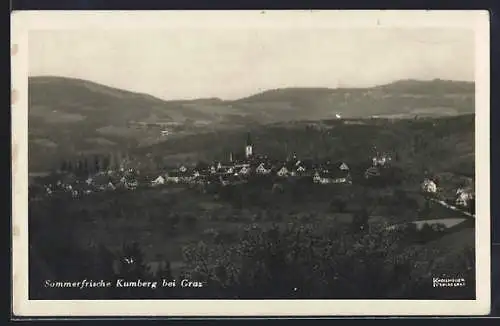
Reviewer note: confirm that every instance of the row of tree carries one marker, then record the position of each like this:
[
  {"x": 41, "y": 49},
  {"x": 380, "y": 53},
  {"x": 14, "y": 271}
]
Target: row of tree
[{"x": 93, "y": 163}]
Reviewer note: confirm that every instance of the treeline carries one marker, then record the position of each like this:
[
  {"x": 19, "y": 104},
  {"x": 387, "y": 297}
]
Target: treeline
[{"x": 87, "y": 164}]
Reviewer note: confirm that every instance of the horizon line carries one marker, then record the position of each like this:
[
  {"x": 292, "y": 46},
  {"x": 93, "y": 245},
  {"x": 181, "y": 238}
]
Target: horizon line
[{"x": 340, "y": 86}]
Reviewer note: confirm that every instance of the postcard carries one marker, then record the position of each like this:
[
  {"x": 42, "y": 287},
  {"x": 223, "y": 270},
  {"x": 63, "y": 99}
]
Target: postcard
[{"x": 250, "y": 163}]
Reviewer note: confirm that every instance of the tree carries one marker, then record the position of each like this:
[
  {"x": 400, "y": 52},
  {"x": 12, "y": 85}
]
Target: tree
[
  {"x": 307, "y": 262},
  {"x": 105, "y": 163},
  {"x": 360, "y": 220},
  {"x": 86, "y": 166},
  {"x": 471, "y": 205},
  {"x": 79, "y": 166},
  {"x": 97, "y": 164},
  {"x": 64, "y": 165}
]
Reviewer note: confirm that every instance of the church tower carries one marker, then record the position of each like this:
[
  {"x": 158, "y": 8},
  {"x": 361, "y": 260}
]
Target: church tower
[{"x": 249, "y": 147}]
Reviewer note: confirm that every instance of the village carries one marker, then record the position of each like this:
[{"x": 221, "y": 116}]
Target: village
[{"x": 237, "y": 171}]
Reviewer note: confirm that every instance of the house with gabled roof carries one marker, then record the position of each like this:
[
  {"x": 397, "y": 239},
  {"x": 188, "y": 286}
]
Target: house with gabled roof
[
  {"x": 283, "y": 171},
  {"x": 196, "y": 174},
  {"x": 245, "y": 170},
  {"x": 463, "y": 196},
  {"x": 381, "y": 160},
  {"x": 160, "y": 180},
  {"x": 334, "y": 176},
  {"x": 131, "y": 183},
  {"x": 263, "y": 168},
  {"x": 343, "y": 166}
]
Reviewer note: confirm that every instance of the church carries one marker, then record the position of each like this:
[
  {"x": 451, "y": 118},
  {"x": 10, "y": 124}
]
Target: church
[
  {"x": 249, "y": 148},
  {"x": 245, "y": 156}
]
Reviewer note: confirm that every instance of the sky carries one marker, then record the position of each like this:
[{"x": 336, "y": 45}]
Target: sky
[{"x": 235, "y": 63}]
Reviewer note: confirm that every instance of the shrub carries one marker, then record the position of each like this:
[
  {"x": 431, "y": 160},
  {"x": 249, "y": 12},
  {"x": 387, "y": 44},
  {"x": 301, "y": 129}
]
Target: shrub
[{"x": 298, "y": 261}]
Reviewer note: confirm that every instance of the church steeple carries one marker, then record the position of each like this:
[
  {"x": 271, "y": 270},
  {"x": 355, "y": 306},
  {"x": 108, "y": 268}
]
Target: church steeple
[{"x": 249, "y": 147}]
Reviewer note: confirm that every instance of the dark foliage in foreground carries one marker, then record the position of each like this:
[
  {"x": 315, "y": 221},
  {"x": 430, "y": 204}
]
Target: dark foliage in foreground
[{"x": 292, "y": 261}]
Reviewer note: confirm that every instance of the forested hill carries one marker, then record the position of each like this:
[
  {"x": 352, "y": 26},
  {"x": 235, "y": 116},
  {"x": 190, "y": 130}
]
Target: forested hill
[{"x": 69, "y": 116}]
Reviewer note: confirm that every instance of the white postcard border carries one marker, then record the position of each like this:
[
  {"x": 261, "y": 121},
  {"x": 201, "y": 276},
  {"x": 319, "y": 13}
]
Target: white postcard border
[{"x": 23, "y": 22}]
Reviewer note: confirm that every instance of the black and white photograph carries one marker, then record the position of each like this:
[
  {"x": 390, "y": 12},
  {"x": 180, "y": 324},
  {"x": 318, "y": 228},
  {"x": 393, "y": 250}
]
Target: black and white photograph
[{"x": 282, "y": 157}]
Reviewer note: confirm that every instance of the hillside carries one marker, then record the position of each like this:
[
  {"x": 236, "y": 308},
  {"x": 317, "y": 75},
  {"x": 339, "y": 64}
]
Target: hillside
[
  {"x": 436, "y": 144},
  {"x": 69, "y": 116},
  {"x": 402, "y": 98}
]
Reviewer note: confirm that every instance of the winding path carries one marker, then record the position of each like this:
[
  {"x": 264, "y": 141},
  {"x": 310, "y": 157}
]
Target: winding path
[{"x": 452, "y": 207}]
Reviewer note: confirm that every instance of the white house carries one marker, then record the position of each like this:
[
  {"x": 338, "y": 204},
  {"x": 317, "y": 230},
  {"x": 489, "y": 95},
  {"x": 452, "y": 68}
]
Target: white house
[
  {"x": 283, "y": 172},
  {"x": 244, "y": 170},
  {"x": 381, "y": 160},
  {"x": 131, "y": 184},
  {"x": 326, "y": 178},
  {"x": 340, "y": 180},
  {"x": 463, "y": 197},
  {"x": 261, "y": 169},
  {"x": 158, "y": 181},
  {"x": 343, "y": 167},
  {"x": 172, "y": 178},
  {"x": 316, "y": 177},
  {"x": 227, "y": 170},
  {"x": 428, "y": 186}
]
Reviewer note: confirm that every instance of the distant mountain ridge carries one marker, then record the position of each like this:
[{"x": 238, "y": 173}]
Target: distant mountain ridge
[{"x": 69, "y": 115}]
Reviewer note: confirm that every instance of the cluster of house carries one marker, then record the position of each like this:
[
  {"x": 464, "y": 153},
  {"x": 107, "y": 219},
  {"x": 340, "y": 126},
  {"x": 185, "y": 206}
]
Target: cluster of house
[
  {"x": 224, "y": 173},
  {"x": 101, "y": 181},
  {"x": 463, "y": 195},
  {"x": 239, "y": 171},
  {"x": 236, "y": 172}
]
